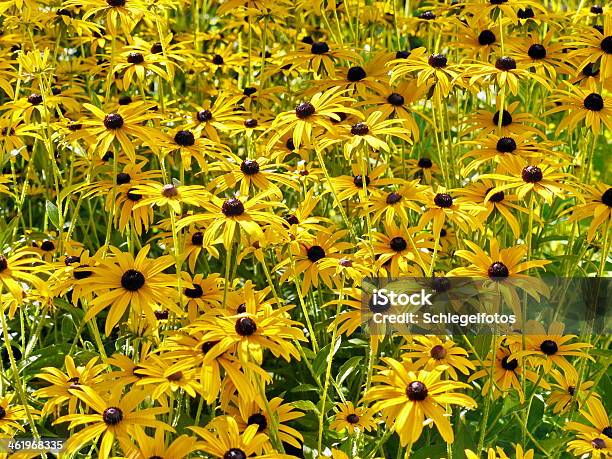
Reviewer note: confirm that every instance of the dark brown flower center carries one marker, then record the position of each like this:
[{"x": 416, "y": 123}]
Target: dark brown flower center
[
  {"x": 505, "y": 64},
  {"x": 526, "y": 13},
  {"x": 112, "y": 415},
  {"x": 249, "y": 91},
  {"x": 35, "y": 99},
  {"x": 218, "y": 59},
  {"x": 156, "y": 48},
  {"x": 606, "y": 45},
  {"x": 245, "y": 326},
  {"x": 549, "y": 347},
  {"x": 234, "y": 453},
  {"x": 506, "y": 118},
  {"x": 207, "y": 346},
  {"x": 509, "y": 365},
  {"x": 360, "y": 129},
  {"x": 249, "y": 167},
  {"x": 184, "y": 138},
  {"x": 352, "y": 418},
  {"x": 532, "y": 174},
  {"x": 398, "y": 244},
  {"x": 113, "y": 121},
  {"x": 319, "y": 47},
  {"x": 607, "y": 431},
  {"x": 496, "y": 197},
  {"x": 81, "y": 273},
  {"x": 204, "y": 115},
  {"x": 594, "y": 102},
  {"x": 438, "y": 352},
  {"x": 506, "y": 145},
  {"x": 486, "y": 37},
  {"x": 315, "y": 253},
  {"x": 425, "y": 163},
  {"x": 123, "y": 178},
  {"x": 437, "y": 60},
  {"x": 175, "y": 376},
  {"x": 395, "y": 99},
  {"x": 292, "y": 220},
  {"x": 393, "y": 198},
  {"x": 606, "y": 198},
  {"x": 304, "y": 110},
  {"x": 133, "y": 196},
  {"x": 443, "y": 200},
  {"x": 536, "y": 51},
  {"x": 416, "y": 391},
  {"x": 162, "y": 315},
  {"x": 498, "y": 270},
  {"x": 355, "y": 74},
  {"x": 250, "y": 123},
  {"x": 259, "y": 420},
  {"x": 197, "y": 238},
  {"x": 3, "y": 263},
  {"x": 195, "y": 292},
  {"x": 135, "y": 58},
  {"x": 232, "y": 207},
  {"x": 358, "y": 181},
  {"x": 47, "y": 246},
  {"x": 70, "y": 259},
  {"x": 598, "y": 443},
  {"x": 132, "y": 280}
]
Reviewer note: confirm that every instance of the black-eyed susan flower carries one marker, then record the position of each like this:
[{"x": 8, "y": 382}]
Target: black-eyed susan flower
[
  {"x": 402, "y": 251},
  {"x": 432, "y": 69},
  {"x": 354, "y": 418},
  {"x": 442, "y": 206},
  {"x": 599, "y": 425},
  {"x": 58, "y": 392},
  {"x": 593, "y": 108},
  {"x": 551, "y": 347},
  {"x": 226, "y": 216},
  {"x": 312, "y": 117},
  {"x": 498, "y": 204},
  {"x": 224, "y": 440},
  {"x": 249, "y": 333},
  {"x": 113, "y": 418},
  {"x": 123, "y": 125},
  {"x": 539, "y": 177},
  {"x": 431, "y": 352},
  {"x": 513, "y": 123},
  {"x": 503, "y": 374},
  {"x": 19, "y": 266},
  {"x": 306, "y": 255},
  {"x": 395, "y": 204},
  {"x": 13, "y": 415},
  {"x": 124, "y": 282},
  {"x": 596, "y": 203},
  {"x": 248, "y": 412},
  {"x": 155, "y": 447},
  {"x": 407, "y": 396},
  {"x": 566, "y": 391}
]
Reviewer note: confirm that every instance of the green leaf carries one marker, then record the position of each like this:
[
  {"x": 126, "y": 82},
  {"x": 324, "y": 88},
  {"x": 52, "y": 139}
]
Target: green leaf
[
  {"x": 320, "y": 362},
  {"x": 347, "y": 368},
  {"x": 305, "y": 405},
  {"x": 52, "y": 213}
]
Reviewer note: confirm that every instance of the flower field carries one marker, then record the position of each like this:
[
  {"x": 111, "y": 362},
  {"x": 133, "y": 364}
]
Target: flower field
[{"x": 194, "y": 195}]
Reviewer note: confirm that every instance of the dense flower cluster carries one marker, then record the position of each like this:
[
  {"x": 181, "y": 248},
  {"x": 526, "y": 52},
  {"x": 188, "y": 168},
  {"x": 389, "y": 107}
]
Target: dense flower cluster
[{"x": 192, "y": 193}]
